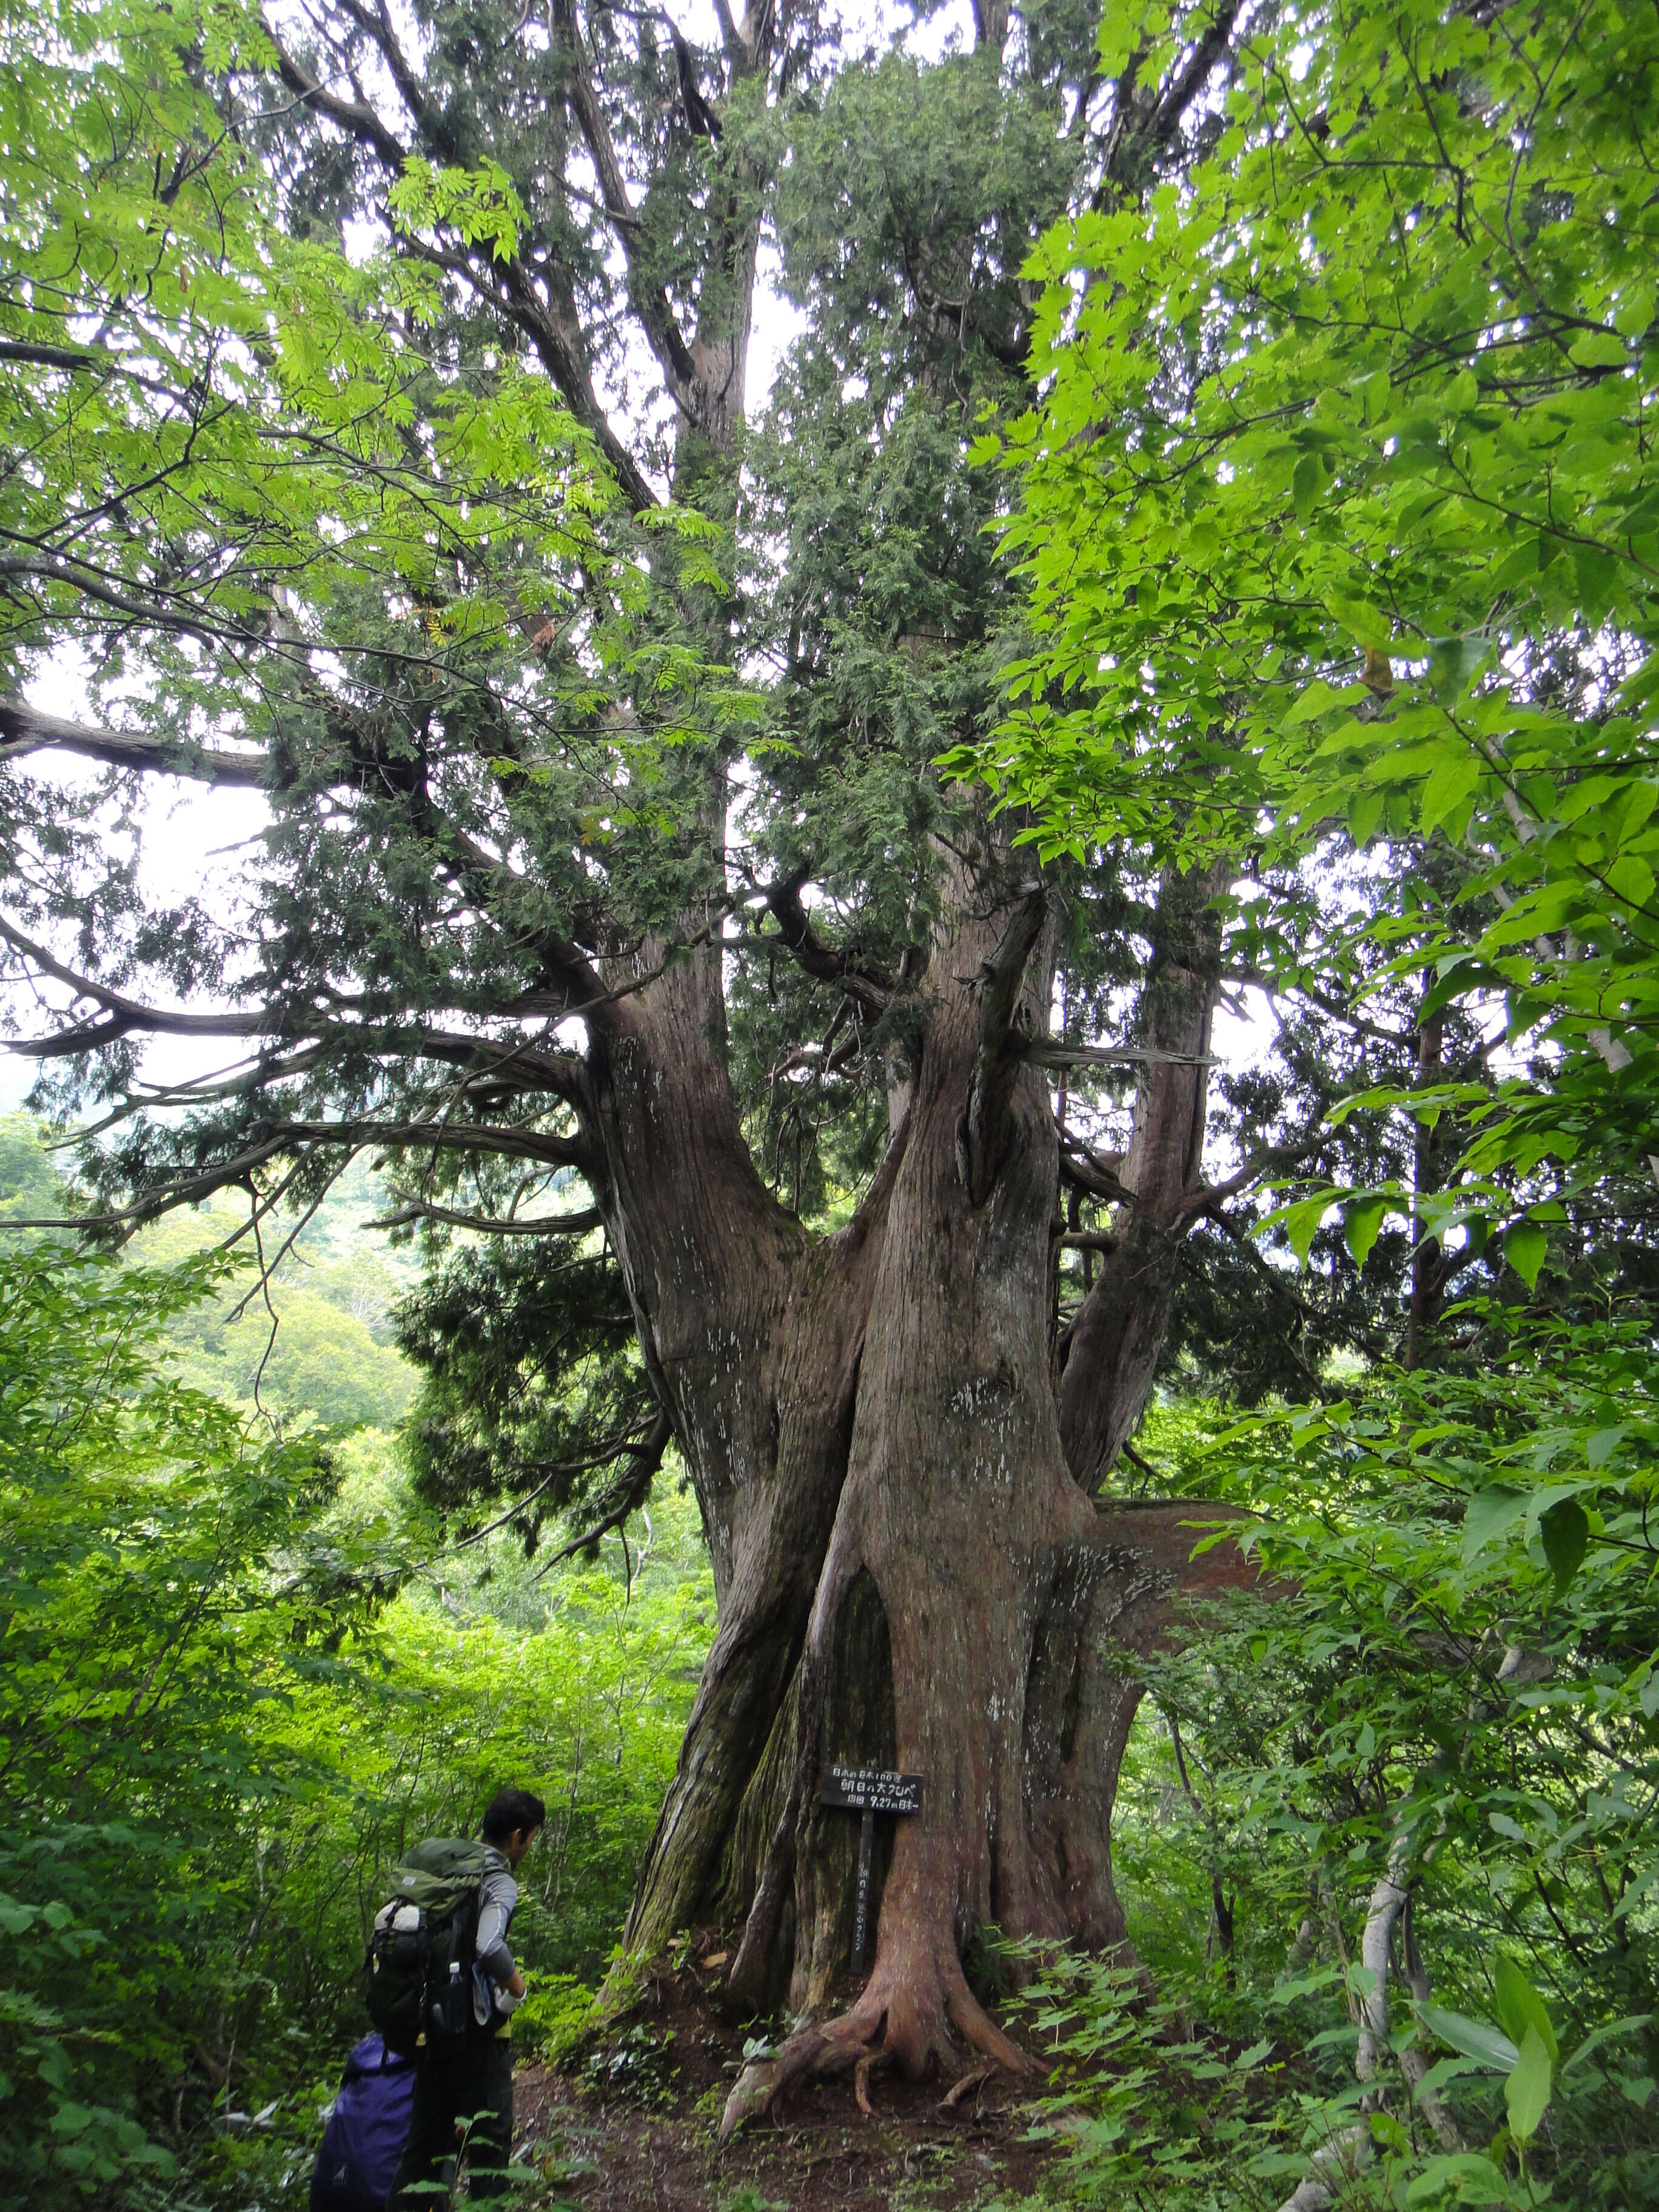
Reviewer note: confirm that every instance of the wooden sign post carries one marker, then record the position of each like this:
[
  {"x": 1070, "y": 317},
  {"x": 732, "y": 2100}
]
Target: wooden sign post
[{"x": 869, "y": 1790}]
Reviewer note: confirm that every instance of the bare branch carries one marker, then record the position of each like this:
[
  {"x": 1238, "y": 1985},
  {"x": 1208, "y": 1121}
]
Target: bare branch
[
  {"x": 1088, "y": 1240},
  {"x": 184, "y": 1192},
  {"x": 522, "y": 1064},
  {"x": 1048, "y": 1052}
]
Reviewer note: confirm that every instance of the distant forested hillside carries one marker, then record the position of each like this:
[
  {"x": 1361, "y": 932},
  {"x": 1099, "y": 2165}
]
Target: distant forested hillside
[{"x": 321, "y": 1346}]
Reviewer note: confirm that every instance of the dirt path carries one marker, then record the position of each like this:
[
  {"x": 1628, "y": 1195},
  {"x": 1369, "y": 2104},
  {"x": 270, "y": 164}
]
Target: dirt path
[{"x": 631, "y": 2126}]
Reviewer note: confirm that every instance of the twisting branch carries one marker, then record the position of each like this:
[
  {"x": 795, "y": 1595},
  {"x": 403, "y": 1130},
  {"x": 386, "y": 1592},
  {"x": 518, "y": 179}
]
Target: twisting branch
[
  {"x": 1097, "y": 1175},
  {"x": 356, "y": 118},
  {"x": 123, "y": 1015},
  {"x": 823, "y": 962},
  {"x": 983, "y": 1130},
  {"x": 525, "y": 1065},
  {"x": 1213, "y": 1196},
  {"x": 625, "y": 1496},
  {"x": 187, "y": 1191},
  {"x": 446, "y": 1136}
]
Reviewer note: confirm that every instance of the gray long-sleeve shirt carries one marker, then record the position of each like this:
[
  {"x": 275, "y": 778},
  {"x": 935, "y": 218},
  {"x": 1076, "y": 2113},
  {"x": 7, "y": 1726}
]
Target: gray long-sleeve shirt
[{"x": 493, "y": 1966}]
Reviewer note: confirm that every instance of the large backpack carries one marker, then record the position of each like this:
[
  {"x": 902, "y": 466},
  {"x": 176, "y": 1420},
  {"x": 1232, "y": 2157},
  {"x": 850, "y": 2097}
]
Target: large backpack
[
  {"x": 417, "y": 1976},
  {"x": 366, "y": 2133}
]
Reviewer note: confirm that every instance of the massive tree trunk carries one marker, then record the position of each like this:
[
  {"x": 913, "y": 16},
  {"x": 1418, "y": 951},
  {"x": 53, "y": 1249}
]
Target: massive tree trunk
[{"x": 909, "y": 1570}]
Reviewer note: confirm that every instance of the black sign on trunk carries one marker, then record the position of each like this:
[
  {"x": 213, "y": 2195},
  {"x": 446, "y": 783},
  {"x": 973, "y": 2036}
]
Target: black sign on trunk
[{"x": 869, "y": 1790}]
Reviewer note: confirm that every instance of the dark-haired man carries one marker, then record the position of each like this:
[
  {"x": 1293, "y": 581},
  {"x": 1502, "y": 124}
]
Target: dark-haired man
[{"x": 465, "y": 2083}]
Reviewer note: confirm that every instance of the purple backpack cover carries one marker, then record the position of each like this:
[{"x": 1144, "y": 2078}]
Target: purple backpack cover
[{"x": 366, "y": 2132}]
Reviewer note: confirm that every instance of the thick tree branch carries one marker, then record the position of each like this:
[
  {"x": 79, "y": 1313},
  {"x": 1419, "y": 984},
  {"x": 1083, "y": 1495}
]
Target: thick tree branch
[
  {"x": 434, "y": 132},
  {"x": 1145, "y": 122},
  {"x": 123, "y": 1015},
  {"x": 271, "y": 1140},
  {"x": 1097, "y": 1175},
  {"x": 26, "y": 729},
  {"x": 354, "y": 117},
  {"x": 552, "y": 1224},
  {"x": 188, "y": 1190},
  {"x": 984, "y": 1132},
  {"x": 51, "y": 356},
  {"x": 1190, "y": 79},
  {"x": 821, "y": 961}
]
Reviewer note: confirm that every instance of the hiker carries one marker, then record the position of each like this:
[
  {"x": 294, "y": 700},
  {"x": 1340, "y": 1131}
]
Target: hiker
[{"x": 464, "y": 2057}]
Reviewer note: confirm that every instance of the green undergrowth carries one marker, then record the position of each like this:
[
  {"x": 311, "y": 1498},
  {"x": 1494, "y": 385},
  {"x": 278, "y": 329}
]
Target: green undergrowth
[
  {"x": 1157, "y": 2101},
  {"x": 242, "y": 1675}
]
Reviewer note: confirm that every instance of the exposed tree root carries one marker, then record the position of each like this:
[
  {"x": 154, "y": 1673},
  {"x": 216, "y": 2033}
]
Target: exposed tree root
[
  {"x": 966, "y": 2084},
  {"x": 909, "y": 2019},
  {"x": 861, "y": 2074}
]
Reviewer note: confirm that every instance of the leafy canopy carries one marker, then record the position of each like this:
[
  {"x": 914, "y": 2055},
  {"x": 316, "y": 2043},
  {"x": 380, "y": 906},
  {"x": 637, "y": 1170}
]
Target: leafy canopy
[{"x": 1341, "y": 518}]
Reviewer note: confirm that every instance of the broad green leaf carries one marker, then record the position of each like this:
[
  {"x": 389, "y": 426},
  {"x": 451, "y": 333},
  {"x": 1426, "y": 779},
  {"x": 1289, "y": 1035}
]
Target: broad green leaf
[
  {"x": 1362, "y": 1220},
  {"x": 1491, "y": 1515},
  {"x": 1302, "y": 1224},
  {"x": 1475, "y": 2179},
  {"x": 1527, "y": 2091},
  {"x": 1455, "y": 661},
  {"x": 1525, "y": 1246},
  {"x": 1631, "y": 2024},
  {"x": 1564, "y": 1530},
  {"x": 1475, "y": 2038},
  {"x": 1369, "y": 624},
  {"x": 1519, "y": 2005},
  {"x": 1447, "y": 790}
]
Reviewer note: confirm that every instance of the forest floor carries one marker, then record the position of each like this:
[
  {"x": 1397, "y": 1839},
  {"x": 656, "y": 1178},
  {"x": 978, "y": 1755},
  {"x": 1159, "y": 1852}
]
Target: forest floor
[{"x": 629, "y": 2125}]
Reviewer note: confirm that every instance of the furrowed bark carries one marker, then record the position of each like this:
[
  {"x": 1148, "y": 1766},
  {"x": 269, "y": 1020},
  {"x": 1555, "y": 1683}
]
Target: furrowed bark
[{"x": 1005, "y": 1592}]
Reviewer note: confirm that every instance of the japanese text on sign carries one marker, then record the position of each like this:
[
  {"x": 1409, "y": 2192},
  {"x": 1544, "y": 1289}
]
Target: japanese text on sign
[{"x": 871, "y": 1790}]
